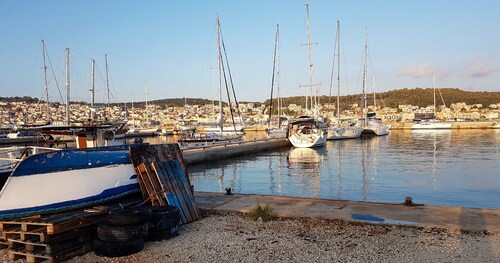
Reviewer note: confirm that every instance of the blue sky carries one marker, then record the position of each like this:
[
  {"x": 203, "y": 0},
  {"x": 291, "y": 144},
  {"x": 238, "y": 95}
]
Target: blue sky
[{"x": 171, "y": 45}]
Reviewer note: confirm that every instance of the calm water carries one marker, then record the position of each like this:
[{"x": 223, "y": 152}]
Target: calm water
[{"x": 452, "y": 168}]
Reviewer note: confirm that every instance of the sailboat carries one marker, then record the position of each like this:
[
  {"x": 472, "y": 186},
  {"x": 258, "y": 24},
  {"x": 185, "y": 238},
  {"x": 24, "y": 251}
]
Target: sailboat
[
  {"x": 346, "y": 130},
  {"x": 280, "y": 131},
  {"x": 433, "y": 123},
  {"x": 371, "y": 124},
  {"x": 309, "y": 131},
  {"x": 222, "y": 136},
  {"x": 88, "y": 135},
  {"x": 147, "y": 129}
]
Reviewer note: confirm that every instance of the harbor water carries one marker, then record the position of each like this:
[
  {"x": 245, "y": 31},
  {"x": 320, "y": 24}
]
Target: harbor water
[{"x": 442, "y": 167}]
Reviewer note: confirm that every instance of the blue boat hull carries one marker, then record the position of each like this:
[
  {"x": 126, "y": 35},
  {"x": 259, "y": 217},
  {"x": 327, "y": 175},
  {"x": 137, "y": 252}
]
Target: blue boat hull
[{"x": 68, "y": 179}]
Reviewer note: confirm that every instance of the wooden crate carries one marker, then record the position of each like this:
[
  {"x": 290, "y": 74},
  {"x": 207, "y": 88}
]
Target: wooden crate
[{"x": 65, "y": 254}]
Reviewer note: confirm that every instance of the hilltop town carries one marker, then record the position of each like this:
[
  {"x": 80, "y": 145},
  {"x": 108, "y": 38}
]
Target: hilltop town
[{"x": 26, "y": 112}]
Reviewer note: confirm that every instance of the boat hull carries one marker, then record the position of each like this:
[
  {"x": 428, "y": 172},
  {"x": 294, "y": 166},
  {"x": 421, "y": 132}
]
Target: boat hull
[
  {"x": 431, "y": 126},
  {"x": 340, "y": 133},
  {"x": 67, "y": 179},
  {"x": 314, "y": 139}
]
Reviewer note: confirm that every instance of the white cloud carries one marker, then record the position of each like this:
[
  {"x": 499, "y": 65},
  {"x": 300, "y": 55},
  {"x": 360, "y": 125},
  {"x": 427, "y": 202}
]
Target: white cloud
[
  {"x": 480, "y": 68},
  {"x": 424, "y": 70}
]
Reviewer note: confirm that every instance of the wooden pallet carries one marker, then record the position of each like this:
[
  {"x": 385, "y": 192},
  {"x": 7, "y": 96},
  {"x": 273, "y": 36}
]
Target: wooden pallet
[
  {"x": 49, "y": 225},
  {"x": 61, "y": 256},
  {"x": 53, "y": 244},
  {"x": 163, "y": 180}
]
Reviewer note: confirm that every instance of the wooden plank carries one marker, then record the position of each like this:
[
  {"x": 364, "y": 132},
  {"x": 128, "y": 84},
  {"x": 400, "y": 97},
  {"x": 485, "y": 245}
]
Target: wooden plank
[
  {"x": 62, "y": 256},
  {"x": 142, "y": 183},
  {"x": 146, "y": 153},
  {"x": 52, "y": 248},
  {"x": 183, "y": 182},
  {"x": 153, "y": 188},
  {"x": 159, "y": 190},
  {"x": 170, "y": 193},
  {"x": 179, "y": 191}
]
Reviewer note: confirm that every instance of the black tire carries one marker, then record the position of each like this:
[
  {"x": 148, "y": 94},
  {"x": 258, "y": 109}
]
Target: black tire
[
  {"x": 157, "y": 235},
  {"x": 165, "y": 217},
  {"x": 120, "y": 233},
  {"x": 130, "y": 216},
  {"x": 117, "y": 249}
]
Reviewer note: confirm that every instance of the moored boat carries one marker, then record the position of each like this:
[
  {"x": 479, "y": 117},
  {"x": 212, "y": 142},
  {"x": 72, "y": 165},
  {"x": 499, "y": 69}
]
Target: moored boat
[
  {"x": 68, "y": 179},
  {"x": 307, "y": 132}
]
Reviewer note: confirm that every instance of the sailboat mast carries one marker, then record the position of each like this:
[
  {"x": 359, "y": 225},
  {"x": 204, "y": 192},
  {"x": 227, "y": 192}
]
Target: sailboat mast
[
  {"x": 107, "y": 77},
  {"x": 311, "y": 67},
  {"x": 365, "y": 105},
  {"x": 434, "y": 88},
  {"x": 67, "y": 87},
  {"x": 278, "y": 73},
  {"x": 146, "y": 105},
  {"x": 374, "y": 98},
  {"x": 272, "y": 79},
  {"x": 219, "y": 64},
  {"x": 45, "y": 80},
  {"x": 338, "y": 73},
  {"x": 92, "y": 91}
]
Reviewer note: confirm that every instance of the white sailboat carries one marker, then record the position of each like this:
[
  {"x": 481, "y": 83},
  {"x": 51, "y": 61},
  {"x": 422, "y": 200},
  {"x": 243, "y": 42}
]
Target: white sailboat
[
  {"x": 281, "y": 131},
  {"x": 222, "y": 136},
  {"x": 147, "y": 129},
  {"x": 346, "y": 130},
  {"x": 309, "y": 131},
  {"x": 371, "y": 124},
  {"x": 433, "y": 123}
]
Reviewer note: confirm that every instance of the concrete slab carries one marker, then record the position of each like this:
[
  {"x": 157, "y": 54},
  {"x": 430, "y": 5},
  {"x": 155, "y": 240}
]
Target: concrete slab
[{"x": 454, "y": 218}]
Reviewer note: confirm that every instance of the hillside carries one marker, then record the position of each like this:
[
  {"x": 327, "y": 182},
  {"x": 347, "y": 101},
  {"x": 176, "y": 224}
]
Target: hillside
[{"x": 417, "y": 97}]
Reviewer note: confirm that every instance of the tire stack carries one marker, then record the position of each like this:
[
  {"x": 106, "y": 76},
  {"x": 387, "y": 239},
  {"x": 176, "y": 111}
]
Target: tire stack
[
  {"x": 164, "y": 223},
  {"x": 122, "y": 233}
]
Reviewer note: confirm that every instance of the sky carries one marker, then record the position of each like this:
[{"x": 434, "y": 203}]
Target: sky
[{"x": 169, "y": 47}]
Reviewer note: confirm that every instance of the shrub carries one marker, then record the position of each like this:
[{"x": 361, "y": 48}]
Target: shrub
[{"x": 264, "y": 212}]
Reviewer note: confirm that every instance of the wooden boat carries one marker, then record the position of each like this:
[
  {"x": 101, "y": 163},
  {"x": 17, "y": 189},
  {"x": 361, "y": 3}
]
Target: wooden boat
[{"x": 67, "y": 179}]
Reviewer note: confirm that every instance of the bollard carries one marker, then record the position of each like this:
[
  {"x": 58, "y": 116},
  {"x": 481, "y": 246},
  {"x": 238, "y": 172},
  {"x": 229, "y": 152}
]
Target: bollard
[
  {"x": 408, "y": 201},
  {"x": 228, "y": 191}
]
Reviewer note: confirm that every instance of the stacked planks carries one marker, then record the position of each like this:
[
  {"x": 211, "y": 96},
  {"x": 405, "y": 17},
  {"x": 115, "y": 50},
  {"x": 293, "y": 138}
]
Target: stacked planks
[
  {"x": 163, "y": 178},
  {"x": 51, "y": 238}
]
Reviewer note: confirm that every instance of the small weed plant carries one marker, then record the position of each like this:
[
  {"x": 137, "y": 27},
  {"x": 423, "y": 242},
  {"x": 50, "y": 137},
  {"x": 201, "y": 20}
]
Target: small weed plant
[{"x": 265, "y": 212}]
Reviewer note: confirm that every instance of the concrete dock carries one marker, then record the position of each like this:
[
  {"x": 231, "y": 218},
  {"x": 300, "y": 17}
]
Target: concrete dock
[
  {"x": 445, "y": 217},
  {"x": 217, "y": 152}
]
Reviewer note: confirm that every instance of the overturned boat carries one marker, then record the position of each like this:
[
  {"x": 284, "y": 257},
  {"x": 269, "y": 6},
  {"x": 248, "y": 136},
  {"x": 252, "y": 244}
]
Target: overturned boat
[{"x": 68, "y": 179}]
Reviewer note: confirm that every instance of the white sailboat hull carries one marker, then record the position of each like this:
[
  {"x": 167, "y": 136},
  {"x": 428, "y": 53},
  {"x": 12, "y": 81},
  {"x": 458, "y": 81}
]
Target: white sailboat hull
[
  {"x": 339, "y": 133},
  {"x": 431, "y": 126},
  {"x": 316, "y": 138},
  {"x": 376, "y": 127}
]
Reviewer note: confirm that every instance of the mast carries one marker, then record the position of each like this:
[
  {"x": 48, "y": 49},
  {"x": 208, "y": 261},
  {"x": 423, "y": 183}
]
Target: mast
[
  {"x": 338, "y": 73},
  {"x": 311, "y": 67},
  {"x": 107, "y": 78},
  {"x": 92, "y": 91},
  {"x": 67, "y": 87},
  {"x": 374, "y": 99},
  {"x": 278, "y": 74},
  {"x": 272, "y": 81},
  {"x": 365, "y": 106},
  {"x": 434, "y": 88},
  {"x": 45, "y": 80},
  {"x": 146, "y": 107},
  {"x": 219, "y": 64}
]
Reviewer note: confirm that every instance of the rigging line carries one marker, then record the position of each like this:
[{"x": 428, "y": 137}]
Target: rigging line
[
  {"x": 227, "y": 91},
  {"x": 333, "y": 65},
  {"x": 53, "y": 74},
  {"x": 231, "y": 80},
  {"x": 272, "y": 79}
]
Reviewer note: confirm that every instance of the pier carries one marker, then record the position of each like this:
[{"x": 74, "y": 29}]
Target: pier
[
  {"x": 211, "y": 153},
  {"x": 443, "y": 217}
]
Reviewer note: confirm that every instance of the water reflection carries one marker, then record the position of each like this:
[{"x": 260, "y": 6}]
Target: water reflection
[{"x": 434, "y": 167}]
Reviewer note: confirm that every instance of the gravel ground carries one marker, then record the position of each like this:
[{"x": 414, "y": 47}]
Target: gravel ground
[{"x": 237, "y": 238}]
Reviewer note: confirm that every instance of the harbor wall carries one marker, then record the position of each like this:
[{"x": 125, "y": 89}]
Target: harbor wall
[
  {"x": 211, "y": 153},
  {"x": 454, "y": 125}
]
